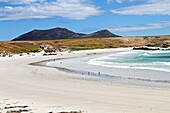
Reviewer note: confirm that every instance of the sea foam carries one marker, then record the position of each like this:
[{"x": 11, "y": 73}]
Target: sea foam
[{"x": 135, "y": 60}]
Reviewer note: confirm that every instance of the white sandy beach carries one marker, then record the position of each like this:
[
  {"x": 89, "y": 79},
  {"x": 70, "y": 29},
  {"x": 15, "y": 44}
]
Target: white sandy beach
[{"x": 46, "y": 89}]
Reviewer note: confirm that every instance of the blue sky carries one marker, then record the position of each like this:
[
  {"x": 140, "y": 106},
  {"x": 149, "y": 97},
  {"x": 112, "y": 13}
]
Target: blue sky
[{"x": 122, "y": 17}]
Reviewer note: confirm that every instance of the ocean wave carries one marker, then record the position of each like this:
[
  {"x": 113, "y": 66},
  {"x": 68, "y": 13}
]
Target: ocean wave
[
  {"x": 145, "y": 54},
  {"x": 158, "y": 51},
  {"x": 157, "y": 66},
  {"x": 167, "y": 63},
  {"x": 135, "y": 60}
]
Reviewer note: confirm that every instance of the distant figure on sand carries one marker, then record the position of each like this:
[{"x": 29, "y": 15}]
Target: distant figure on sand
[
  {"x": 99, "y": 73},
  {"x": 88, "y": 73}
]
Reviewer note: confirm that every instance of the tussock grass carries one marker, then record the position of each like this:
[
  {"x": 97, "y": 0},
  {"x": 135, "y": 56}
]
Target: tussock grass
[{"x": 83, "y": 44}]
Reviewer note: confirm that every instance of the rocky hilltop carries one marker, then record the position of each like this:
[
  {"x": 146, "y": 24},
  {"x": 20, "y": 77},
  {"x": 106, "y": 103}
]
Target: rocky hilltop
[{"x": 61, "y": 33}]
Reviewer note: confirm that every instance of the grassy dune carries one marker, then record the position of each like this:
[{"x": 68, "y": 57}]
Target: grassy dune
[{"x": 83, "y": 44}]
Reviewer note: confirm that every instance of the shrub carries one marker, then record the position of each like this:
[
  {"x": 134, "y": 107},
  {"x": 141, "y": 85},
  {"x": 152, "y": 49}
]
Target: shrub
[{"x": 145, "y": 37}]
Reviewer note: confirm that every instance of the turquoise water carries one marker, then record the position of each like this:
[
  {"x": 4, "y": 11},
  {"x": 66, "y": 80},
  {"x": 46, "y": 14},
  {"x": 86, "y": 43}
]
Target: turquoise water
[
  {"x": 146, "y": 68},
  {"x": 151, "y": 60}
]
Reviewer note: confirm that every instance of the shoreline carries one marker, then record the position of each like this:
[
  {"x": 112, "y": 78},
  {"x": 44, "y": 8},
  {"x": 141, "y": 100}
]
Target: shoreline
[
  {"x": 47, "y": 90},
  {"x": 106, "y": 77},
  {"x": 95, "y": 74}
]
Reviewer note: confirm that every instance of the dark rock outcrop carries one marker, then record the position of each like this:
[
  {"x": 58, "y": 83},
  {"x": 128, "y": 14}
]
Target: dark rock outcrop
[
  {"x": 146, "y": 48},
  {"x": 61, "y": 33}
]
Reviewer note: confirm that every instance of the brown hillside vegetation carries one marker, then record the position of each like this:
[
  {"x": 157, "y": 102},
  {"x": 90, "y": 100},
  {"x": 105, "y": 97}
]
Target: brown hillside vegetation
[{"x": 82, "y": 44}]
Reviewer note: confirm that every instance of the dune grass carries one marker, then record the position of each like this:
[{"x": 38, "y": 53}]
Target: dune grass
[{"x": 84, "y": 44}]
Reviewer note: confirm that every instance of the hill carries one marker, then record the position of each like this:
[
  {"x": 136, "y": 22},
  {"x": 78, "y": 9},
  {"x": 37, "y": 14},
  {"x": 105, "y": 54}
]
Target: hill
[{"x": 61, "y": 33}]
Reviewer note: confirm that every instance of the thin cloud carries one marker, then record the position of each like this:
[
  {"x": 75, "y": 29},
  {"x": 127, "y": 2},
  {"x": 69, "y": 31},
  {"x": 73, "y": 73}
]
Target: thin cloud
[
  {"x": 120, "y": 1},
  {"x": 160, "y": 25},
  {"x": 19, "y": 1},
  {"x": 151, "y": 7},
  {"x": 71, "y": 9}
]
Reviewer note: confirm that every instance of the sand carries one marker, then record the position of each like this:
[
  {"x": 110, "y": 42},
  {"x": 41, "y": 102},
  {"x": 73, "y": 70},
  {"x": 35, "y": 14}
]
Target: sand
[{"x": 46, "y": 89}]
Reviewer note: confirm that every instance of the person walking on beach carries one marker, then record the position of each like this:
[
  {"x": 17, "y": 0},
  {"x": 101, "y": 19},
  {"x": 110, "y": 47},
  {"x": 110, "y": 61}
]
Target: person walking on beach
[
  {"x": 99, "y": 73},
  {"x": 88, "y": 73}
]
